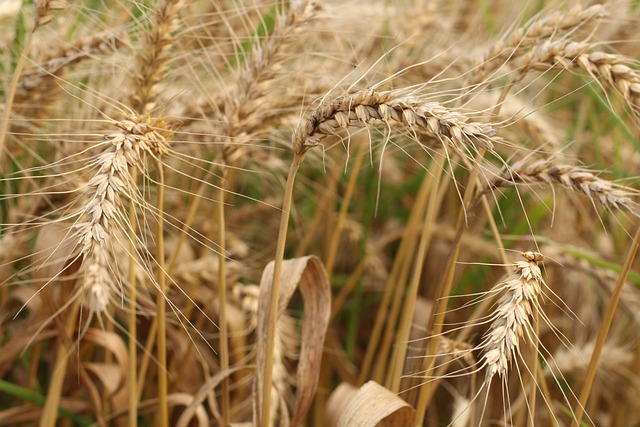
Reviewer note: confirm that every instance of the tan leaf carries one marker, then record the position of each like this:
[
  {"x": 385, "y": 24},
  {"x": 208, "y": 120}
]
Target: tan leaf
[
  {"x": 113, "y": 376},
  {"x": 374, "y": 403},
  {"x": 309, "y": 275},
  {"x": 337, "y": 402}
]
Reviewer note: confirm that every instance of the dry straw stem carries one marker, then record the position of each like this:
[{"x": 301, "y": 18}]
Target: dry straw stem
[
  {"x": 410, "y": 114},
  {"x": 512, "y": 319},
  {"x": 610, "y": 70},
  {"x": 609, "y": 194}
]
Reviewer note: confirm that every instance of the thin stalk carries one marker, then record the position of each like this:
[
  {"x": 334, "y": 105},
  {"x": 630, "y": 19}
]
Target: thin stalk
[
  {"x": 404, "y": 330},
  {"x": 148, "y": 351},
  {"x": 133, "y": 327},
  {"x": 348, "y": 287},
  {"x": 544, "y": 388},
  {"x": 267, "y": 374},
  {"x": 54, "y": 392},
  {"x": 222, "y": 300},
  {"x": 382, "y": 317},
  {"x": 437, "y": 320},
  {"x": 481, "y": 308},
  {"x": 604, "y": 331},
  {"x": 533, "y": 392},
  {"x": 163, "y": 408}
]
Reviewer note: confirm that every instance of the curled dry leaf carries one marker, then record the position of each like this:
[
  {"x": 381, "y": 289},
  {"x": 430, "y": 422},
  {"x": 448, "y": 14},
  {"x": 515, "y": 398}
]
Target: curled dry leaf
[
  {"x": 337, "y": 402},
  {"x": 208, "y": 388},
  {"x": 309, "y": 275},
  {"x": 373, "y": 403},
  {"x": 113, "y": 376}
]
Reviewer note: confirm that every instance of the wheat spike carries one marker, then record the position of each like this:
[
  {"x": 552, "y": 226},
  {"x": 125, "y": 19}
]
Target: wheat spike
[
  {"x": 609, "y": 194},
  {"x": 393, "y": 109},
  {"x": 103, "y": 211},
  {"x": 511, "y": 321}
]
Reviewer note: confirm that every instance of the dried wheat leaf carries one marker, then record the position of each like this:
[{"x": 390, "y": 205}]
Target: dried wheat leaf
[
  {"x": 309, "y": 275},
  {"x": 207, "y": 388},
  {"x": 374, "y": 403},
  {"x": 113, "y": 375},
  {"x": 337, "y": 403},
  {"x": 108, "y": 374},
  {"x": 185, "y": 399}
]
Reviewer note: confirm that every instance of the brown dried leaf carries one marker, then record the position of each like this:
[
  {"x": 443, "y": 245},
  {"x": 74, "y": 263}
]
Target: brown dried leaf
[
  {"x": 309, "y": 275},
  {"x": 337, "y": 403},
  {"x": 374, "y": 403},
  {"x": 113, "y": 376},
  {"x": 205, "y": 390}
]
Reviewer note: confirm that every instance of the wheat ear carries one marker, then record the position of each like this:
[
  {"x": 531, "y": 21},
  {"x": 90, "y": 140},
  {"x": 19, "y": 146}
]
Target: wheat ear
[
  {"x": 392, "y": 108},
  {"x": 102, "y": 212},
  {"x": 43, "y": 15},
  {"x": 511, "y": 321},
  {"x": 152, "y": 58},
  {"x": 611, "y": 70},
  {"x": 525, "y": 38},
  {"x": 609, "y": 194}
]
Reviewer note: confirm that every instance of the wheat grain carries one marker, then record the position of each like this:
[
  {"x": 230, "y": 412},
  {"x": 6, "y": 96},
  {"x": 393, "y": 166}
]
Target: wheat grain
[{"x": 45, "y": 9}]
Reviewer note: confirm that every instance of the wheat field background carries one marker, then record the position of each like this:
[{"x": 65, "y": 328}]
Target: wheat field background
[{"x": 333, "y": 213}]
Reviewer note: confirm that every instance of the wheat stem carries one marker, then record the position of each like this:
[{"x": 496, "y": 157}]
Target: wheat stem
[
  {"x": 385, "y": 315},
  {"x": 437, "y": 320},
  {"x": 332, "y": 251},
  {"x": 404, "y": 328},
  {"x": 50, "y": 410},
  {"x": 222, "y": 298},
  {"x": 133, "y": 326},
  {"x": 267, "y": 374},
  {"x": 163, "y": 407}
]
